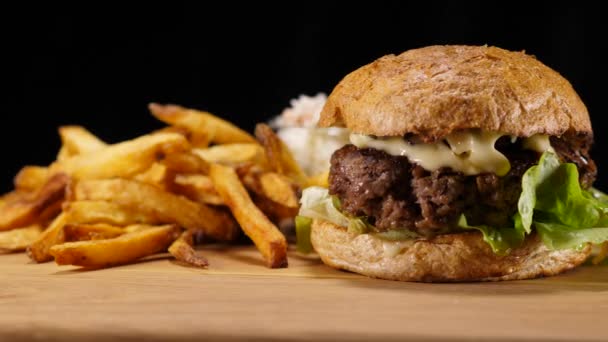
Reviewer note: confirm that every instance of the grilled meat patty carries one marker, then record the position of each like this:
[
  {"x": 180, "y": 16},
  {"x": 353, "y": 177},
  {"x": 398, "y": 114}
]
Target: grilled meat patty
[{"x": 394, "y": 193}]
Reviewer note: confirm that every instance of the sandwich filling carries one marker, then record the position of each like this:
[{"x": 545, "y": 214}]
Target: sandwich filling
[{"x": 403, "y": 188}]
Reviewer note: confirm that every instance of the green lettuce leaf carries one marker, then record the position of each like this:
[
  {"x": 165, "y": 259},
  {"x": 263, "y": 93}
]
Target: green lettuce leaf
[
  {"x": 529, "y": 183},
  {"x": 564, "y": 214},
  {"x": 397, "y": 235},
  {"x": 358, "y": 225},
  {"x": 317, "y": 203},
  {"x": 502, "y": 240},
  {"x": 556, "y": 236},
  {"x": 598, "y": 195}
]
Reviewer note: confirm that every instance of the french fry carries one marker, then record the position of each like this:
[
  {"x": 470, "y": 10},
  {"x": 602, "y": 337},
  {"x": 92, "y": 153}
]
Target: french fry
[
  {"x": 276, "y": 212},
  {"x": 132, "y": 228},
  {"x": 157, "y": 174},
  {"x": 202, "y": 123},
  {"x": 265, "y": 235},
  {"x": 278, "y": 155},
  {"x": 124, "y": 159},
  {"x": 17, "y": 240},
  {"x": 15, "y": 195},
  {"x": 233, "y": 154},
  {"x": 49, "y": 213},
  {"x": 249, "y": 170},
  {"x": 53, "y": 235},
  {"x": 121, "y": 250},
  {"x": 278, "y": 188},
  {"x": 198, "y": 188},
  {"x": 183, "y": 250},
  {"x": 198, "y": 138},
  {"x": 63, "y": 154},
  {"x": 168, "y": 207},
  {"x": 23, "y": 209},
  {"x": 201, "y": 182},
  {"x": 186, "y": 163},
  {"x": 77, "y": 140},
  {"x": 85, "y": 232},
  {"x": 109, "y": 204},
  {"x": 272, "y": 193},
  {"x": 92, "y": 212},
  {"x": 31, "y": 178},
  {"x": 174, "y": 129}
]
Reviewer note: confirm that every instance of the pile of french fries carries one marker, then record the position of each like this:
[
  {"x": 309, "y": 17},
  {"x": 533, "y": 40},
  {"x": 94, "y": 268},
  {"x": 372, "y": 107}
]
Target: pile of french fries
[{"x": 198, "y": 180}]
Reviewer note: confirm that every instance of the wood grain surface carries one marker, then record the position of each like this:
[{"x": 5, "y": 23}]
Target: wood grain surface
[{"x": 238, "y": 298}]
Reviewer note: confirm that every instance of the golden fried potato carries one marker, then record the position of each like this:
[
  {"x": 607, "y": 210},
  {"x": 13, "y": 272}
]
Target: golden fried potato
[
  {"x": 92, "y": 212},
  {"x": 272, "y": 193},
  {"x": 157, "y": 174},
  {"x": 183, "y": 250},
  {"x": 279, "y": 157},
  {"x": 22, "y": 209},
  {"x": 198, "y": 188},
  {"x": 233, "y": 154},
  {"x": 77, "y": 140},
  {"x": 279, "y": 189},
  {"x": 121, "y": 250},
  {"x": 13, "y": 196},
  {"x": 200, "y": 123},
  {"x": 275, "y": 211},
  {"x": 266, "y": 236},
  {"x": 85, "y": 232},
  {"x": 124, "y": 159},
  {"x": 50, "y": 212},
  {"x": 31, "y": 178},
  {"x": 63, "y": 154},
  {"x": 132, "y": 228},
  {"x": 104, "y": 204},
  {"x": 168, "y": 207},
  {"x": 53, "y": 235},
  {"x": 17, "y": 240},
  {"x": 186, "y": 163}
]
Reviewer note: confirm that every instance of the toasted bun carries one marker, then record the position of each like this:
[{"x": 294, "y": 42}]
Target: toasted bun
[
  {"x": 446, "y": 258},
  {"x": 435, "y": 90}
]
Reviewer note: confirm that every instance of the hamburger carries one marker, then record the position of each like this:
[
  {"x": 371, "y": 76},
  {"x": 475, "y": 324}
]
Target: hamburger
[{"x": 464, "y": 163}]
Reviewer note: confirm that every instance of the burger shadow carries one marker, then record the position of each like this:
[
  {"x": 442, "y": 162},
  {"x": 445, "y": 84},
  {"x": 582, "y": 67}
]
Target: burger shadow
[{"x": 587, "y": 278}]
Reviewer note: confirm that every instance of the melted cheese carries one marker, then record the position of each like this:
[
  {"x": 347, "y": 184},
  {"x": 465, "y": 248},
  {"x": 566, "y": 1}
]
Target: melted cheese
[
  {"x": 538, "y": 142},
  {"x": 470, "y": 152}
]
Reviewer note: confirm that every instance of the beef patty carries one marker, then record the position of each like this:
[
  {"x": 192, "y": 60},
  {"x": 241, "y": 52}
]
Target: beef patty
[{"x": 394, "y": 193}]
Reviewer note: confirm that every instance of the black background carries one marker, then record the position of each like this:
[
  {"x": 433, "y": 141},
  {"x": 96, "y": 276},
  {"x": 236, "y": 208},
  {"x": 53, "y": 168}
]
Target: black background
[{"x": 99, "y": 65}]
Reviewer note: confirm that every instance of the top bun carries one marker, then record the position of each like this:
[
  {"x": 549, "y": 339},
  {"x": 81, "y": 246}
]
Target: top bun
[{"x": 435, "y": 90}]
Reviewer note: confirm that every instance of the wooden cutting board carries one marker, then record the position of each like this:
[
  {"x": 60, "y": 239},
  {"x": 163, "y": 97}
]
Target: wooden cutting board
[{"x": 238, "y": 298}]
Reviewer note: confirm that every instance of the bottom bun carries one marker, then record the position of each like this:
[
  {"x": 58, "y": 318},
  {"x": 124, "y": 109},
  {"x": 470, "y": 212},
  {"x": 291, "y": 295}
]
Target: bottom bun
[{"x": 445, "y": 258}]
